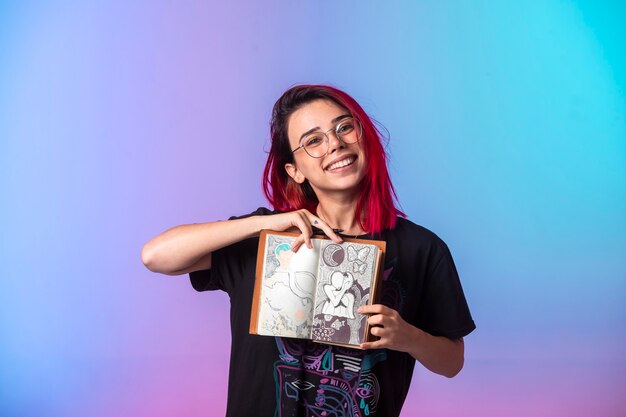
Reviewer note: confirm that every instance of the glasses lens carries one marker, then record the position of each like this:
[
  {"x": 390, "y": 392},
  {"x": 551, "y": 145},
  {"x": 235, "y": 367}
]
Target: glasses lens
[
  {"x": 315, "y": 144},
  {"x": 349, "y": 130}
]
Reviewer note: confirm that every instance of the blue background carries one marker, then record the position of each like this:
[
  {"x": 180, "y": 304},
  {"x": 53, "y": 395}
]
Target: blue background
[{"x": 119, "y": 120}]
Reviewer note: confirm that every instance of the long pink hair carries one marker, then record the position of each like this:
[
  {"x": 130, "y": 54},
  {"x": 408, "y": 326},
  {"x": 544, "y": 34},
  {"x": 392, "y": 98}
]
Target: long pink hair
[{"x": 376, "y": 209}]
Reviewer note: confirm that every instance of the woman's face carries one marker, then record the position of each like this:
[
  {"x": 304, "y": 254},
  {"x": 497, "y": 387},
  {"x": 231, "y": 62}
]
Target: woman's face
[{"x": 342, "y": 168}]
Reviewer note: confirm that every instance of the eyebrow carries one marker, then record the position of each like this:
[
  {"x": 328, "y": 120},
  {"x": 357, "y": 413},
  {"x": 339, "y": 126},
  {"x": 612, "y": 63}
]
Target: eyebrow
[{"x": 335, "y": 120}]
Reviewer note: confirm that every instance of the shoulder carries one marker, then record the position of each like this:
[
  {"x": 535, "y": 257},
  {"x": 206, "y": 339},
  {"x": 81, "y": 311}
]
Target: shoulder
[
  {"x": 406, "y": 229},
  {"x": 412, "y": 240},
  {"x": 264, "y": 211},
  {"x": 261, "y": 211}
]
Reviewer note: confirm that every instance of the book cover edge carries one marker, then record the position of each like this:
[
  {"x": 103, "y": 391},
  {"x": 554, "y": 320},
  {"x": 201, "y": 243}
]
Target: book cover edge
[
  {"x": 254, "y": 316},
  {"x": 258, "y": 282}
]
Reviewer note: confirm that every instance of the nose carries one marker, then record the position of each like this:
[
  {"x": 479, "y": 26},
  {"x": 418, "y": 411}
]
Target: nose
[{"x": 334, "y": 142}]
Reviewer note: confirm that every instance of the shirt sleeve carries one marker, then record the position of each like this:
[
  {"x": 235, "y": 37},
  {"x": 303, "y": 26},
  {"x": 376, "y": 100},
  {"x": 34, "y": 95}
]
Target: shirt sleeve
[
  {"x": 202, "y": 280},
  {"x": 444, "y": 310},
  {"x": 226, "y": 262}
]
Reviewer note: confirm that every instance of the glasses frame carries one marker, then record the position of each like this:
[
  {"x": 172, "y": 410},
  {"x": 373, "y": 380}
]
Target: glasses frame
[{"x": 337, "y": 135}]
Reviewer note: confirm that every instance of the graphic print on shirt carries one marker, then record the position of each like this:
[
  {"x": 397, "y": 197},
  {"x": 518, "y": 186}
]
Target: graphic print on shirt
[{"x": 314, "y": 379}]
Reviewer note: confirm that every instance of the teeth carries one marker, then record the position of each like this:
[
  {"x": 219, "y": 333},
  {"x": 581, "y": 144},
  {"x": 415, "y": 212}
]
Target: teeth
[{"x": 341, "y": 164}]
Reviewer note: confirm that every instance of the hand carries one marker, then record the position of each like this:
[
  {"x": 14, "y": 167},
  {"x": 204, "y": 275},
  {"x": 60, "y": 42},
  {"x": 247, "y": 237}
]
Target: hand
[
  {"x": 302, "y": 220},
  {"x": 439, "y": 354},
  {"x": 387, "y": 324}
]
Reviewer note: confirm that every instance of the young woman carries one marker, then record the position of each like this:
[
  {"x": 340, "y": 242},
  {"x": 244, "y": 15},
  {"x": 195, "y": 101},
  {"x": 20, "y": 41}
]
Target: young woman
[{"x": 327, "y": 170}]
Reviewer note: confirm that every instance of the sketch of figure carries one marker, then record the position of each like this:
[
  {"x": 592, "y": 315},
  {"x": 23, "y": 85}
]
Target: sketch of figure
[
  {"x": 340, "y": 303},
  {"x": 289, "y": 293}
]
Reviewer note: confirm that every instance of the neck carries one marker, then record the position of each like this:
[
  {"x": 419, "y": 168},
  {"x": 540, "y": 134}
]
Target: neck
[{"x": 340, "y": 214}]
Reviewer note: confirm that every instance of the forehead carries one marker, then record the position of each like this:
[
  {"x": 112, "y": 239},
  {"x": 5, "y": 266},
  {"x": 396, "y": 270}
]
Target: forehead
[{"x": 318, "y": 113}]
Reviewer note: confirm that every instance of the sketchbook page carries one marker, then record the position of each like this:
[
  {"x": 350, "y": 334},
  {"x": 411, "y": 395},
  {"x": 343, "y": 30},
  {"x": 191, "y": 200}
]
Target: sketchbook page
[
  {"x": 287, "y": 289},
  {"x": 345, "y": 277}
]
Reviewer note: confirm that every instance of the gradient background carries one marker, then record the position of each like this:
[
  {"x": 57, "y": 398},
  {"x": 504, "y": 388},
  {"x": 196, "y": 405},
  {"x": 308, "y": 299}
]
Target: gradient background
[{"x": 121, "y": 119}]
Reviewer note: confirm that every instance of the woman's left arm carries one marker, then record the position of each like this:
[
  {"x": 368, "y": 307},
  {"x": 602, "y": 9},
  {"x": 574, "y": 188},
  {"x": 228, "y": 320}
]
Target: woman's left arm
[{"x": 439, "y": 354}]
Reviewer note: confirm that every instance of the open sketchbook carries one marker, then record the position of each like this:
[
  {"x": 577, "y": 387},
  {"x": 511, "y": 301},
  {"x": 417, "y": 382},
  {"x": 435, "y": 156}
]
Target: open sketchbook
[{"x": 314, "y": 293}]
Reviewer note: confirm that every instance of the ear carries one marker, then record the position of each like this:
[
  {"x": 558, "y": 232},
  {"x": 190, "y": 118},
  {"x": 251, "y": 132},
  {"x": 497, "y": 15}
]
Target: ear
[{"x": 294, "y": 173}]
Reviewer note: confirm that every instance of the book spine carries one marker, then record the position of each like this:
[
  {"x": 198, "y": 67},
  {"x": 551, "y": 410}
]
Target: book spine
[{"x": 258, "y": 282}]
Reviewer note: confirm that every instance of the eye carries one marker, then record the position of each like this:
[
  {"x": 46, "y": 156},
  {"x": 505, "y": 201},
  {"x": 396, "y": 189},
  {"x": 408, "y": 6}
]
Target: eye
[
  {"x": 345, "y": 128},
  {"x": 313, "y": 141}
]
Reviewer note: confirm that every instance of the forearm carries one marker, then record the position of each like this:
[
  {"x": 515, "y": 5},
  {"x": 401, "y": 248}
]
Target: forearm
[
  {"x": 179, "y": 248},
  {"x": 438, "y": 354},
  {"x": 188, "y": 247}
]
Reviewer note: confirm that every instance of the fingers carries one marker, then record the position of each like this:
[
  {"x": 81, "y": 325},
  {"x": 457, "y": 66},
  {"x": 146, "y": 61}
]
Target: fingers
[
  {"x": 377, "y": 331},
  {"x": 381, "y": 333},
  {"x": 297, "y": 243},
  {"x": 372, "y": 345},
  {"x": 375, "y": 309},
  {"x": 320, "y": 224},
  {"x": 328, "y": 231},
  {"x": 380, "y": 314},
  {"x": 303, "y": 238},
  {"x": 305, "y": 221},
  {"x": 383, "y": 336},
  {"x": 308, "y": 231},
  {"x": 376, "y": 320},
  {"x": 381, "y": 322}
]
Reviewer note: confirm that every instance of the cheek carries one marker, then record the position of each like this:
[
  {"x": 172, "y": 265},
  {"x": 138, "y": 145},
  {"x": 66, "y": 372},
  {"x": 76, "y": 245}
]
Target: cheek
[
  {"x": 309, "y": 167},
  {"x": 363, "y": 156}
]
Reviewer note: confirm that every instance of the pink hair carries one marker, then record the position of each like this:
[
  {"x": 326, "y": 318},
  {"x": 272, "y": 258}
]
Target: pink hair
[{"x": 376, "y": 209}]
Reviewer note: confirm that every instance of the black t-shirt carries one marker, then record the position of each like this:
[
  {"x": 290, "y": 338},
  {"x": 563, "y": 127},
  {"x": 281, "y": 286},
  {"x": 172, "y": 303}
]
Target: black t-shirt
[{"x": 293, "y": 377}]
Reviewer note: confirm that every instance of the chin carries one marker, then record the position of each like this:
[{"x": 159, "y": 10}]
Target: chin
[{"x": 346, "y": 186}]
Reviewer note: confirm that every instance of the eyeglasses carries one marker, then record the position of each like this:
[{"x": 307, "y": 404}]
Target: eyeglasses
[{"x": 348, "y": 130}]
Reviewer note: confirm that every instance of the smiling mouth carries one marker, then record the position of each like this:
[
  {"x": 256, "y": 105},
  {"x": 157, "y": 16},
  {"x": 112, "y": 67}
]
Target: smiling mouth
[{"x": 342, "y": 163}]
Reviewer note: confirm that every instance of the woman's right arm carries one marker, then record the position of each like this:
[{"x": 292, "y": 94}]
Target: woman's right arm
[{"x": 186, "y": 248}]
